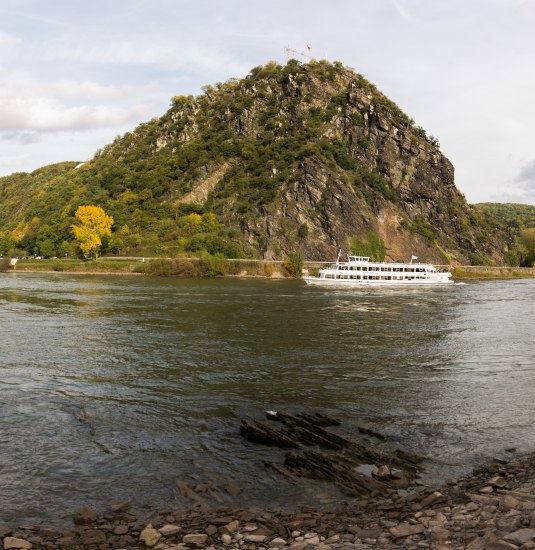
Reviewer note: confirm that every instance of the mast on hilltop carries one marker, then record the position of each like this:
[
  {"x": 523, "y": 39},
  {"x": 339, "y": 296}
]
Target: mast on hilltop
[{"x": 289, "y": 53}]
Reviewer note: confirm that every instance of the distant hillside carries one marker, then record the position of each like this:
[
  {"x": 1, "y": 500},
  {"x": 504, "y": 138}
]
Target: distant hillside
[
  {"x": 290, "y": 158},
  {"x": 516, "y": 216}
]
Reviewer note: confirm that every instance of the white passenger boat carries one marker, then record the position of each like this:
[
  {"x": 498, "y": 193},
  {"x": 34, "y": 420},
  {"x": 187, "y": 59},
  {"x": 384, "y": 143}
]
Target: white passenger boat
[{"x": 360, "y": 271}]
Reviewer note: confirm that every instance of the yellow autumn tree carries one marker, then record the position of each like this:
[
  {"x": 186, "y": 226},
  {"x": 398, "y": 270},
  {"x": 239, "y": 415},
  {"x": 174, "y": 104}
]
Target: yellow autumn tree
[{"x": 94, "y": 224}]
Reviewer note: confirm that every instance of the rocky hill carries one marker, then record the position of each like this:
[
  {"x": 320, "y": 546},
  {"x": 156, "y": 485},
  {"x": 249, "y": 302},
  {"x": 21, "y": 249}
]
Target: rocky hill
[{"x": 290, "y": 158}]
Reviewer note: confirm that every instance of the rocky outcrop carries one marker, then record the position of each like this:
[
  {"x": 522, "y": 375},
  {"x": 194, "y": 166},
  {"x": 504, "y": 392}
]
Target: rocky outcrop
[{"x": 357, "y": 164}]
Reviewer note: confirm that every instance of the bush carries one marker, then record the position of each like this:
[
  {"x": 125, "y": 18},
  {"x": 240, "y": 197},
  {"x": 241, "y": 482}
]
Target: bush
[
  {"x": 293, "y": 265},
  {"x": 480, "y": 258},
  {"x": 269, "y": 269},
  {"x": 302, "y": 232},
  {"x": 374, "y": 247}
]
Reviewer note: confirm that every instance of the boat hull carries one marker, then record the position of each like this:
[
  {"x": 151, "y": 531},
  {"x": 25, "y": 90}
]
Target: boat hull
[{"x": 318, "y": 281}]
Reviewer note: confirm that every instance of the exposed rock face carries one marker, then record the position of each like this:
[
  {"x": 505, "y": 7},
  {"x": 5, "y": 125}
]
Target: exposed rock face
[{"x": 361, "y": 165}]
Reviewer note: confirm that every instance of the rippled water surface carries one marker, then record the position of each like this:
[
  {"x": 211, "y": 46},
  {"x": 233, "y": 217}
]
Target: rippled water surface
[{"x": 118, "y": 387}]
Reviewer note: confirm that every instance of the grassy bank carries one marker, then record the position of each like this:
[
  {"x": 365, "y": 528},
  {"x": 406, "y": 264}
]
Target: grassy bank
[
  {"x": 206, "y": 266},
  {"x": 68, "y": 265},
  {"x": 465, "y": 273}
]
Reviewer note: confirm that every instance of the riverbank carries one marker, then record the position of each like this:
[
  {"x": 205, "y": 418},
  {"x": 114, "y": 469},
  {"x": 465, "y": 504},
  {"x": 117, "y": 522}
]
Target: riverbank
[
  {"x": 466, "y": 273},
  {"x": 491, "y": 509},
  {"x": 218, "y": 267}
]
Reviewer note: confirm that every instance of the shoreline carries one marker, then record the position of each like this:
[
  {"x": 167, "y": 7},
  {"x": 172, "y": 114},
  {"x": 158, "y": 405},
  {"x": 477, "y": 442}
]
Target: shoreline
[
  {"x": 203, "y": 268},
  {"x": 492, "y": 508},
  {"x": 476, "y": 277}
]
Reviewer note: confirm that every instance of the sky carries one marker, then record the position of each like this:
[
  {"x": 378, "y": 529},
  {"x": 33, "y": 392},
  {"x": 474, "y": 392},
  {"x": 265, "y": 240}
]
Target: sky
[{"x": 74, "y": 75}]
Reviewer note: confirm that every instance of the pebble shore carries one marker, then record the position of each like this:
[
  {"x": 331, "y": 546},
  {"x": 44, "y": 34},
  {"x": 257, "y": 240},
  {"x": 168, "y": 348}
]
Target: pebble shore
[{"x": 491, "y": 509}]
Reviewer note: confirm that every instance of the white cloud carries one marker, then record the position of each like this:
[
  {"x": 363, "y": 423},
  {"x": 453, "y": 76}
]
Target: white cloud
[
  {"x": 461, "y": 69},
  {"x": 48, "y": 115}
]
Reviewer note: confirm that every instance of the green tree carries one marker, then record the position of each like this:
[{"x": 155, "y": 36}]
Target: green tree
[{"x": 527, "y": 244}]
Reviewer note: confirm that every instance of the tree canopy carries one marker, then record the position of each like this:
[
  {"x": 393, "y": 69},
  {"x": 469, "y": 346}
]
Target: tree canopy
[{"x": 94, "y": 224}]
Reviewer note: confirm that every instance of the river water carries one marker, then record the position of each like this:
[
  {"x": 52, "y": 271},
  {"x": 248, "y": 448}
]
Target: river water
[{"x": 118, "y": 387}]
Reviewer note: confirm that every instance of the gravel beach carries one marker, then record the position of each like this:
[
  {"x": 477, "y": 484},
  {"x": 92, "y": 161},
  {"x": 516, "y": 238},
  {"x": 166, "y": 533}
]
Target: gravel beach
[{"x": 493, "y": 508}]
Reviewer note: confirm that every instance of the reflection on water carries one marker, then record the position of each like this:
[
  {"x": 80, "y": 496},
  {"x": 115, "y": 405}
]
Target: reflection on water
[{"x": 118, "y": 387}]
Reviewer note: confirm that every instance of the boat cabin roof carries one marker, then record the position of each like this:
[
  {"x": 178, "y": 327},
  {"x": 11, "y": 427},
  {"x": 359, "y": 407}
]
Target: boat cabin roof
[{"x": 358, "y": 258}]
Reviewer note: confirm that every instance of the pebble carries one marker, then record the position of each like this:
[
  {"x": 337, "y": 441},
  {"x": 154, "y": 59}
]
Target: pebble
[
  {"x": 15, "y": 543},
  {"x": 457, "y": 516}
]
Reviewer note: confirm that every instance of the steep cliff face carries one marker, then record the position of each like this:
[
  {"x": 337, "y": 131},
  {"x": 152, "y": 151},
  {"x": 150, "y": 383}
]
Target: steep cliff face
[
  {"x": 332, "y": 158},
  {"x": 290, "y": 158}
]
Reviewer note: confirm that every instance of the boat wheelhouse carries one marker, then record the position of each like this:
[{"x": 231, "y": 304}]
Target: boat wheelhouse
[{"x": 359, "y": 270}]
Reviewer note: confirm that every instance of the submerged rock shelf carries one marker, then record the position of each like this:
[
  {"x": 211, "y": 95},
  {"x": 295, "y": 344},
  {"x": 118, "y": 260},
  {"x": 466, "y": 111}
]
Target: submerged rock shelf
[{"x": 320, "y": 454}]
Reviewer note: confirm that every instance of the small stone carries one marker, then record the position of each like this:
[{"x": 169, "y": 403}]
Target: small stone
[
  {"x": 15, "y": 543},
  {"x": 333, "y": 539},
  {"x": 498, "y": 481},
  {"x": 278, "y": 542},
  {"x": 508, "y": 502},
  {"x": 486, "y": 490},
  {"x": 382, "y": 472},
  {"x": 508, "y": 523},
  {"x": 250, "y": 527},
  {"x": 93, "y": 537},
  {"x": 484, "y": 500},
  {"x": 120, "y": 530},
  {"x": 195, "y": 538},
  {"x": 521, "y": 536},
  {"x": 168, "y": 530},
  {"x": 65, "y": 542},
  {"x": 406, "y": 530},
  {"x": 434, "y": 498},
  {"x": 5, "y": 530},
  {"x": 232, "y": 526},
  {"x": 226, "y": 539},
  {"x": 85, "y": 516},
  {"x": 368, "y": 533},
  {"x": 150, "y": 536},
  {"x": 501, "y": 545},
  {"x": 255, "y": 538},
  {"x": 211, "y": 530}
]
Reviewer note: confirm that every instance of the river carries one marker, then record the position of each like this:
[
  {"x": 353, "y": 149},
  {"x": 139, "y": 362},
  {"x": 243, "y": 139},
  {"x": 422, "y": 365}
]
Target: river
[{"x": 118, "y": 387}]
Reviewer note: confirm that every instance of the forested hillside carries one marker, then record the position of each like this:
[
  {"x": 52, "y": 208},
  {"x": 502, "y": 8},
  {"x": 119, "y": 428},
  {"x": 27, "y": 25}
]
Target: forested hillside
[
  {"x": 516, "y": 216},
  {"x": 521, "y": 219},
  {"x": 291, "y": 158}
]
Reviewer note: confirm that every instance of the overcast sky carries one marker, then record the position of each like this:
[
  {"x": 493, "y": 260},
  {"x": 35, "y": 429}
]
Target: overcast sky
[{"x": 76, "y": 74}]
